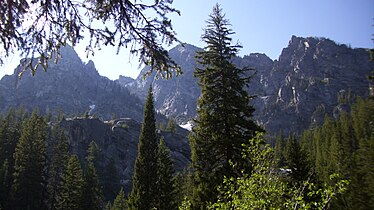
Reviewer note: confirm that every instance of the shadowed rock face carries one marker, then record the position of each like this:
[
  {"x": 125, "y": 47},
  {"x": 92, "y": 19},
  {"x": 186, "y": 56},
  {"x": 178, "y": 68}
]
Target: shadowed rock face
[
  {"x": 292, "y": 92},
  {"x": 118, "y": 139},
  {"x": 69, "y": 86}
]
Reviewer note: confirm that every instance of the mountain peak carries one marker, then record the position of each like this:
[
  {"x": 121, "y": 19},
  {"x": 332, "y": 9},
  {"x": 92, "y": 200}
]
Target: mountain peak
[
  {"x": 69, "y": 55},
  {"x": 310, "y": 72},
  {"x": 183, "y": 49}
]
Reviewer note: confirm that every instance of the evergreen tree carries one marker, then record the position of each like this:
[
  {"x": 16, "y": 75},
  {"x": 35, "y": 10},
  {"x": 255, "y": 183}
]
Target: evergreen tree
[
  {"x": 120, "y": 201},
  {"x": 280, "y": 145},
  {"x": 171, "y": 126},
  {"x": 60, "y": 157},
  {"x": 70, "y": 196},
  {"x": 296, "y": 161},
  {"x": 363, "y": 175},
  {"x": 93, "y": 155},
  {"x": 324, "y": 136},
  {"x": 183, "y": 187},
  {"x": 264, "y": 189},
  {"x": 92, "y": 194},
  {"x": 29, "y": 185},
  {"x": 10, "y": 132},
  {"x": 110, "y": 181},
  {"x": 345, "y": 146},
  {"x": 224, "y": 114},
  {"x": 166, "y": 199},
  {"x": 108, "y": 206},
  {"x": 144, "y": 188}
]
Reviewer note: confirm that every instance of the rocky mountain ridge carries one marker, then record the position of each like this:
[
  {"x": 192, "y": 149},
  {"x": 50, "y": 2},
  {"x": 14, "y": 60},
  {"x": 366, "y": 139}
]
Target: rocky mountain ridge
[
  {"x": 70, "y": 86},
  {"x": 312, "y": 77},
  {"x": 87, "y": 100}
]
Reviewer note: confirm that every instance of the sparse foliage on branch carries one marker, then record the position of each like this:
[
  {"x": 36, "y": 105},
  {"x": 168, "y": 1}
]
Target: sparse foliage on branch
[{"x": 39, "y": 28}]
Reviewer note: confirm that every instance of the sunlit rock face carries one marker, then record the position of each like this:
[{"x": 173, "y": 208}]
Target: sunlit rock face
[{"x": 312, "y": 77}]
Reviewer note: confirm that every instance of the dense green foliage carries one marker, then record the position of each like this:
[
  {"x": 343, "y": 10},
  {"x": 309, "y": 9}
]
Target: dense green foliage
[
  {"x": 29, "y": 183},
  {"x": 165, "y": 180},
  {"x": 120, "y": 202},
  {"x": 266, "y": 188},
  {"x": 172, "y": 125},
  {"x": 345, "y": 146},
  {"x": 153, "y": 183},
  {"x": 38, "y": 172},
  {"x": 58, "y": 165},
  {"x": 224, "y": 119},
  {"x": 144, "y": 188},
  {"x": 70, "y": 196},
  {"x": 330, "y": 166},
  {"x": 10, "y": 132},
  {"x": 110, "y": 180},
  {"x": 92, "y": 192}
]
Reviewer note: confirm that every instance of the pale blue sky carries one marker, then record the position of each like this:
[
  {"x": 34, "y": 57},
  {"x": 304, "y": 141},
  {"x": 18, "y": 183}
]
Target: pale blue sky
[{"x": 263, "y": 26}]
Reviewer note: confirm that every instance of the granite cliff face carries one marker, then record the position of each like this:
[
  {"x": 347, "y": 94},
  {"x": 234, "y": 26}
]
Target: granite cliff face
[
  {"x": 312, "y": 76},
  {"x": 175, "y": 97},
  {"x": 118, "y": 140},
  {"x": 70, "y": 86}
]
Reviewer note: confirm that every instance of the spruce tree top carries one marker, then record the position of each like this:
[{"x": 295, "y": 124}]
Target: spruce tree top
[{"x": 217, "y": 37}]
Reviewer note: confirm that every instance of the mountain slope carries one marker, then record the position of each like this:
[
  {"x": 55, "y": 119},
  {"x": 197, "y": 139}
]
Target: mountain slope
[
  {"x": 313, "y": 76},
  {"x": 175, "y": 97},
  {"x": 70, "y": 86}
]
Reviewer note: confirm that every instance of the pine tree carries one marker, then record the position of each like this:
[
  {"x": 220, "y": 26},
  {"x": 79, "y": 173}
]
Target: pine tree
[
  {"x": 70, "y": 196},
  {"x": 166, "y": 199},
  {"x": 29, "y": 185},
  {"x": 111, "y": 181},
  {"x": 224, "y": 114},
  {"x": 171, "y": 126},
  {"x": 279, "y": 148},
  {"x": 60, "y": 157},
  {"x": 296, "y": 161},
  {"x": 10, "y": 132},
  {"x": 92, "y": 193},
  {"x": 345, "y": 146},
  {"x": 120, "y": 201},
  {"x": 363, "y": 175},
  {"x": 144, "y": 188}
]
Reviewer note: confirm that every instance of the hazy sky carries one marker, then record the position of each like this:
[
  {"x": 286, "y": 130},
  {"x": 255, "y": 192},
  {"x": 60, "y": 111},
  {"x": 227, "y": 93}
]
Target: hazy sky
[{"x": 263, "y": 26}]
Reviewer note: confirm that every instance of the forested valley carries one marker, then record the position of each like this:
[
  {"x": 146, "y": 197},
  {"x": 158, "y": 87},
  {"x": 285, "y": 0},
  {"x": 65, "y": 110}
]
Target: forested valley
[{"x": 234, "y": 163}]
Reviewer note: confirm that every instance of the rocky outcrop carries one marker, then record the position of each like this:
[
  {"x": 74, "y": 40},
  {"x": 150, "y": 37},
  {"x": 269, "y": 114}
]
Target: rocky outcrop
[
  {"x": 312, "y": 77},
  {"x": 118, "y": 140},
  {"x": 176, "y": 97},
  {"x": 69, "y": 86}
]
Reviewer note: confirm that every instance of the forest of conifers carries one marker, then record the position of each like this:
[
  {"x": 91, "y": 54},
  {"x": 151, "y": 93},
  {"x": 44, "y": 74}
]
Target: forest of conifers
[
  {"x": 330, "y": 165},
  {"x": 233, "y": 166}
]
